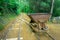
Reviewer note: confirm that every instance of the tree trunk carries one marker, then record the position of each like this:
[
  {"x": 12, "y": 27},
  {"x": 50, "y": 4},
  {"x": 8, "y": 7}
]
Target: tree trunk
[{"x": 51, "y": 10}]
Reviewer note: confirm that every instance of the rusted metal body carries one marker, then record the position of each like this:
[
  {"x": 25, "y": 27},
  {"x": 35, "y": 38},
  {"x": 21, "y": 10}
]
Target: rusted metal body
[{"x": 40, "y": 18}]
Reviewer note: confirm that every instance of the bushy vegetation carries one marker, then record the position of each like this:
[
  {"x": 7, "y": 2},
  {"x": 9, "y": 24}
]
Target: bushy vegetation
[
  {"x": 30, "y": 6},
  {"x": 1, "y": 27},
  {"x": 56, "y": 8},
  {"x": 15, "y": 7}
]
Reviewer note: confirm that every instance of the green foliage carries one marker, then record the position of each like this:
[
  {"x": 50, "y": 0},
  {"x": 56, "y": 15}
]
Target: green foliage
[
  {"x": 57, "y": 12},
  {"x": 56, "y": 8},
  {"x": 1, "y": 27},
  {"x": 23, "y": 6},
  {"x": 45, "y": 7},
  {"x": 43, "y": 4},
  {"x": 0, "y": 13},
  {"x": 30, "y": 6}
]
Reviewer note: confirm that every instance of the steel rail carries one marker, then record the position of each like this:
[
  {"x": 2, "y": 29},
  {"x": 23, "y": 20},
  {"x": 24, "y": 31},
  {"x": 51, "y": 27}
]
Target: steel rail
[{"x": 32, "y": 26}]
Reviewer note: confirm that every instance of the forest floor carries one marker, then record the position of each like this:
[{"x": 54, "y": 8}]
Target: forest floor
[{"x": 22, "y": 30}]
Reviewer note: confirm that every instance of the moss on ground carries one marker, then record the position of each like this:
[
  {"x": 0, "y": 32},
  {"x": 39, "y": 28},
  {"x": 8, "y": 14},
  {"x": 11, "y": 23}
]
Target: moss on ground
[
  {"x": 1, "y": 27},
  {"x": 6, "y": 19}
]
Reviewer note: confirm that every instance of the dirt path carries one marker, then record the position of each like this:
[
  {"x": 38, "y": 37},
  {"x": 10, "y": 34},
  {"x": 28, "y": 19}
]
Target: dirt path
[
  {"x": 21, "y": 31},
  {"x": 54, "y": 30}
]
